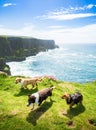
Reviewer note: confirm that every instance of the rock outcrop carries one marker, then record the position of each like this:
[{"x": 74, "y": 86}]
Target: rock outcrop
[{"x": 4, "y": 68}]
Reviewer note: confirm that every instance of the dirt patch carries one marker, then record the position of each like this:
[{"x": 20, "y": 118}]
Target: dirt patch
[
  {"x": 92, "y": 122},
  {"x": 70, "y": 124}
]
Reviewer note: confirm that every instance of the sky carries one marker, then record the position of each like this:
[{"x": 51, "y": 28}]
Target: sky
[{"x": 65, "y": 21}]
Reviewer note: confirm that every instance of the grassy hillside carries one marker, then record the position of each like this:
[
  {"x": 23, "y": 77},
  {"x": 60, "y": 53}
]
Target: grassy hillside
[{"x": 14, "y": 114}]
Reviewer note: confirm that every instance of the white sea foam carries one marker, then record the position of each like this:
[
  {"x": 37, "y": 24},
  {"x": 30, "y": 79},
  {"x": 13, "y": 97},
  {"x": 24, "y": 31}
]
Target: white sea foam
[{"x": 65, "y": 63}]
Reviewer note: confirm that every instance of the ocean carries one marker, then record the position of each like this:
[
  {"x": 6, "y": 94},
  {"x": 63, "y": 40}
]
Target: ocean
[{"x": 74, "y": 62}]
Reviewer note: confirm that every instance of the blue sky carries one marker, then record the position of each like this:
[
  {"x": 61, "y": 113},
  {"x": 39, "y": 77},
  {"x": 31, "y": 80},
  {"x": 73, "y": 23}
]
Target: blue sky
[{"x": 65, "y": 21}]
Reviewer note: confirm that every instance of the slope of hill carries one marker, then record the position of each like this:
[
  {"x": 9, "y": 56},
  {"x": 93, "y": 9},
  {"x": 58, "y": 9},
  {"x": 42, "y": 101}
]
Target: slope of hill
[{"x": 55, "y": 115}]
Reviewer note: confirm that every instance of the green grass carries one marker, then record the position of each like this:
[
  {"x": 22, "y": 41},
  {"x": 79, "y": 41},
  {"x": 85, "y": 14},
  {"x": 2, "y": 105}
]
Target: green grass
[{"x": 53, "y": 115}]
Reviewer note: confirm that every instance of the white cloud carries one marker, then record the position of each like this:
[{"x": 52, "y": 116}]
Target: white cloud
[
  {"x": 86, "y": 34},
  {"x": 69, "y": 13},
  {"x": 25, "y": 31},
  {"x": 90, "y": 6},
  {"x": 8, "y": 4},
  {"x": 69, "y": 16}
]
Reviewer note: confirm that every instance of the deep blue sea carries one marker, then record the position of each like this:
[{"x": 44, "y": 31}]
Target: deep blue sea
[{"x": 75, "y": 62}]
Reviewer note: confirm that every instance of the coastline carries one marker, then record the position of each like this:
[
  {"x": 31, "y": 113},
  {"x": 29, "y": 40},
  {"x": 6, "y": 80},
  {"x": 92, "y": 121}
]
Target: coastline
[{"x": 18, "y": 48}]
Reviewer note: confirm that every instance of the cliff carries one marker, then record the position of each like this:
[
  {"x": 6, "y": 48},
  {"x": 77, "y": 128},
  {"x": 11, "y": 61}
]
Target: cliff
[{"x": 17, "y": 48}]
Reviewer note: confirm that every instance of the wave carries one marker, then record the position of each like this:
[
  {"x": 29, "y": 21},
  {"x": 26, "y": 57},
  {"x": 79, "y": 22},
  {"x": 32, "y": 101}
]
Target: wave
[{"x": 65, "y": 63}]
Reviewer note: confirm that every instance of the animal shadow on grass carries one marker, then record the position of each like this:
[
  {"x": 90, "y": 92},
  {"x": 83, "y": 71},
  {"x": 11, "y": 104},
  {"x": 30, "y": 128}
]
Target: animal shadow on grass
[
  {"x": 35, "y": 114},
  {"x": 24, "y": 91},
  {"x": 75, "y": 111}
]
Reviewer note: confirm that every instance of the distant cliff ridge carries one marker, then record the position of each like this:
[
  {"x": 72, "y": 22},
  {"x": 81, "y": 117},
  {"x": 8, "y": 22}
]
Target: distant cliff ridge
[{"x": 17, "y": 48}]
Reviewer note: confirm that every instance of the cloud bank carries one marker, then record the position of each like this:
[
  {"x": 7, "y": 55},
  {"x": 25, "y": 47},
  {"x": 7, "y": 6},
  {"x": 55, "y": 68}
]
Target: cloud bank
[{"x": 60, "y": 34}]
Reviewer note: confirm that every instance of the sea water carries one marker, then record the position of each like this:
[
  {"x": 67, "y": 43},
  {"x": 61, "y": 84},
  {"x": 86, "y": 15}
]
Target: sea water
[{"x": 75, "y": 62}]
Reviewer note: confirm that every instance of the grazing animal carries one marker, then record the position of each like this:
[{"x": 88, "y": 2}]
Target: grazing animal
[
  {"x": 40, "y": 96},
  {"x": 72, "y": 99},
  {"x": 26, "y": 81}
]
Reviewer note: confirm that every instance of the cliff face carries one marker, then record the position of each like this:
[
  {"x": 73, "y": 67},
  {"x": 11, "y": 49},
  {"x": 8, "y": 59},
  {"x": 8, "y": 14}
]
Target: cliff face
[{"x": 17, "y": 48}]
